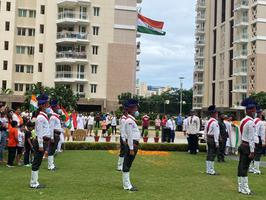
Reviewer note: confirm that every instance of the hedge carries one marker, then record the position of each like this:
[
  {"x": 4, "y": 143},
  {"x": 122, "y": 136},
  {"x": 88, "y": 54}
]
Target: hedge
[{"x": 115, "y": 146}]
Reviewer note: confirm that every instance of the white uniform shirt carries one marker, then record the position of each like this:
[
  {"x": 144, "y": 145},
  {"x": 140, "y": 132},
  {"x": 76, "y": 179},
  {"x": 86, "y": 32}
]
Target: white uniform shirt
[
  {"x": 113, "y": 121},
  {"x": 55, "y": 124},
  {"x": 249, "y": 131},
  {"x": 185, "y": 125},
  {"x": 131, "y": 131},
  {"x": 260, "y": 131},
  {"x": 122, "y": 127},
  {"x": 213, "y": 129},
  {"x": 90, "y": 120},
  {"x": 42, "y": 128},
  {"x": 171, "y": 124},
  {"x": 193, "y": 125},
  {"x": 80, "y": 122}
]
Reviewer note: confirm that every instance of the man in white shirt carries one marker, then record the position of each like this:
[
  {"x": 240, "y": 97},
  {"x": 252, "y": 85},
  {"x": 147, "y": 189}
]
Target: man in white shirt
[
  {"x": 56, "y": 130},
  {"x": 132, "y": 135},
  {"x": 212, "y": 133},
  {"x": 122, "y": 140},
  {"x": 172, "y": 126},
  {"x": 259, "y": 142},
  {"x": 80, "y": 121},
  {"x": 192, "y": 129},
  {"x": 247, "y": 147},
  {"x": 90, "y": 123},
  {"x": 43, "y": 136}
]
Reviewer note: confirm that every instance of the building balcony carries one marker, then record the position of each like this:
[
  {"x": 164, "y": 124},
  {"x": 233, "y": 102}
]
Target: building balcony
[
  {"x": 70, "y": 77},
  {"x": 73, "y": 2},
  {"x": 241, "y": 5},
  {"x": 242, "y": 21},
  {"x": 242, "y": 38},
  {"x": 71, "y": 57},
  {"x": 197, "y": 106},
  {"x": 137, "y": 65},
  {"x": 201, "y": 5},
  {"x": 198, "y": 81},
  {"x": 199, "y": 68},
  {"x": 200, "y": 30},
  {"x": 240, "y": 88},
  {"x": 72, "y": 37},
  {"x": 199, "y": 55},
  {"x": 200, "y": 43},
  {"x": 242, "y": 54},
  {"x": 69, "y": 17},
  {"x": 240, "y": 71},
  {"x": 200, "y": 17},
  {"x": 139, "y": 1},
  {"x": 80, "y": 94},
  {"x": 198, "y": 93}
]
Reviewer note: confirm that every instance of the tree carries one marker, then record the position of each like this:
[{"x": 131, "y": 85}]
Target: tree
[
  {"x": 62, "y": 94},
  {"x": 260, "y": 98}
]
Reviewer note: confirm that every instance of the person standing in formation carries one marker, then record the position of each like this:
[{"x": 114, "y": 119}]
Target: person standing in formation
[
  {"x": 247, "y": 147},
  {"x": 122, "y": 140},
  {"x": 212, "y": 133},
  {"x": 43, "y": 136},
  {"x": 192, "y": 128},
  {"x": 56, "y": 130},
  {"x": 222, "y": 139},
  {"x": 132, "y": 135},
  {"x": 172, "y": 126},
  {"x": 90, "y": 124},
  {"x": 228, "y": 124},
  {"x": 259, "y": 142}
]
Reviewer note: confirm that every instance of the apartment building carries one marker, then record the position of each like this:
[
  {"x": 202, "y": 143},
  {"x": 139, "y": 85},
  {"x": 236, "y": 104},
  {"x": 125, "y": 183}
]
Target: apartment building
[
  {"x": 89, "y": 46},
  {"x": 230, "y": 52}
]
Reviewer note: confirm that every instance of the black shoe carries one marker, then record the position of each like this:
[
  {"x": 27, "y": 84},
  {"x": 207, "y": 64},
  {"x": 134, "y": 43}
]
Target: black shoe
[
  {"x": 39, "y": 187},
  {"x": 133, "y": 189}
]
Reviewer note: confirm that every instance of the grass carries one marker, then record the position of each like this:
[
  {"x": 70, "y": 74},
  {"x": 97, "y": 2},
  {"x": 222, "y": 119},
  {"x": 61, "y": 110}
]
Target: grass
[{"x": 91, "y": 175}]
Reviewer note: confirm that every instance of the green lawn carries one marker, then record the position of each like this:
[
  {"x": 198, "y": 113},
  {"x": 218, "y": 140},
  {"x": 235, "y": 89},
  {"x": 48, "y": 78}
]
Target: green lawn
[{"x": 91, "y": 175}]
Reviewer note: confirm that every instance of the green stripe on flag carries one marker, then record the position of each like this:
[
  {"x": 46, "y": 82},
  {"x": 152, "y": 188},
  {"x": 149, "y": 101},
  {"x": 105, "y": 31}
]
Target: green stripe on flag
[{"x": 146, "y": 30}]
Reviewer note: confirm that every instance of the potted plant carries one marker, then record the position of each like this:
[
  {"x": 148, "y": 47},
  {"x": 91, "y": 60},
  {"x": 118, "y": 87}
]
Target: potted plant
[
  {"x": 96, "y": 136},
  {"x": 145, "y": 137},
  {"x": 109, "y": 133},
  {"x": 156, "y": 138}
]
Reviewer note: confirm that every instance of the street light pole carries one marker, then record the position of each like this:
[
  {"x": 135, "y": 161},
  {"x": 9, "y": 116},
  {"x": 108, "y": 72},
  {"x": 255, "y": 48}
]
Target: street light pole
[{"x": 181, "y": 94}]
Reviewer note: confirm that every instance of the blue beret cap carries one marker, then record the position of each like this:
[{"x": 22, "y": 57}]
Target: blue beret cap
[
  {"x": 53, "y": 103},
  {"x": 131, "y": 103},
  {"x": 42, "y": 99},
  {"x": 249, "y": 103},
  {"x": 212, "y": 109}
]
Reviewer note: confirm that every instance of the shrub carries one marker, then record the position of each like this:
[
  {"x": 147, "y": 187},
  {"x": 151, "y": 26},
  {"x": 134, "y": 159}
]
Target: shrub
[
  {"x": 142, "y": 146},
  {"x": 109, "y": 132},
  {"x": 157, "y": 133},
  {"x": 96, "y": 132},
  {"x": 146, "y": 133}
]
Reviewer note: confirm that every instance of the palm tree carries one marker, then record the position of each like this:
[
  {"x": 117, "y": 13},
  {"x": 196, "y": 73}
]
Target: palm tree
[{"x": 6, "y": 91}]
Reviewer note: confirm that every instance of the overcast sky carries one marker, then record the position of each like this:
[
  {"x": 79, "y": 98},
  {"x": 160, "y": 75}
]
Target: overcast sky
[{"x": 165, "y": 58}]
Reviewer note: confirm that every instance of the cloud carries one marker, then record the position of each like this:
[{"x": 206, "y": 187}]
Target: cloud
[{"x": 164, "y": 59}]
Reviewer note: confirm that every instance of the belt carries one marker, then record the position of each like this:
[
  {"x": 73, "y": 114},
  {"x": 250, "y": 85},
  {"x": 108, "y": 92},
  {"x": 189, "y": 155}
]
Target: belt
[
  {"x": 245, "y": 143},
  {"x": 210, "y": 136}
]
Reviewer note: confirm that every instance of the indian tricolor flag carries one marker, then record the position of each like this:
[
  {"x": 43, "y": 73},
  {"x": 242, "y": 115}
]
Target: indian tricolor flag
[
  {"x": 33, "y": 103},
  {"x": 149, "y": 26},
  {"x": 65, "y": 117}
]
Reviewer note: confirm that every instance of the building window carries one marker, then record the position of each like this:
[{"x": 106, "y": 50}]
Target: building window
[
  {"x": 215, "y": 13},
  {"x": 20, "y": 49},
  {"x": 41, "y": 48},
  {"x": 7, "y": 26},
  {"x": 95, "y": 50},
  {"x": 42, "y": 9},
  {"x": 32, "y": 13},
  {"x": 21, "y": 31},
  {"x": 20, "y": 68},
  {"x": 41, "y": 28},
  {"x": 223, "y": 10},
  {"x": 96, "y": 11},
  {"x": 18, "y": 87},
  {"x": 4, "y": 83},
  {"x": 22, "y": 12},
  {"x": 8, "y": 6},
  {"x": 28, "y": 87},
  {"x": 95, "y": 30},
  {"x": 29, "y": 69},
  {"x": 5, "y": 64},
  {"x": 39, "y": 67},
  {"x": 6, "y": 45},
  {"x": 93, "y": 88},
  {"x": 31, "y": 50},
  {"x": 94, "y": 69},
  {"x": 31, "y": 32}
]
